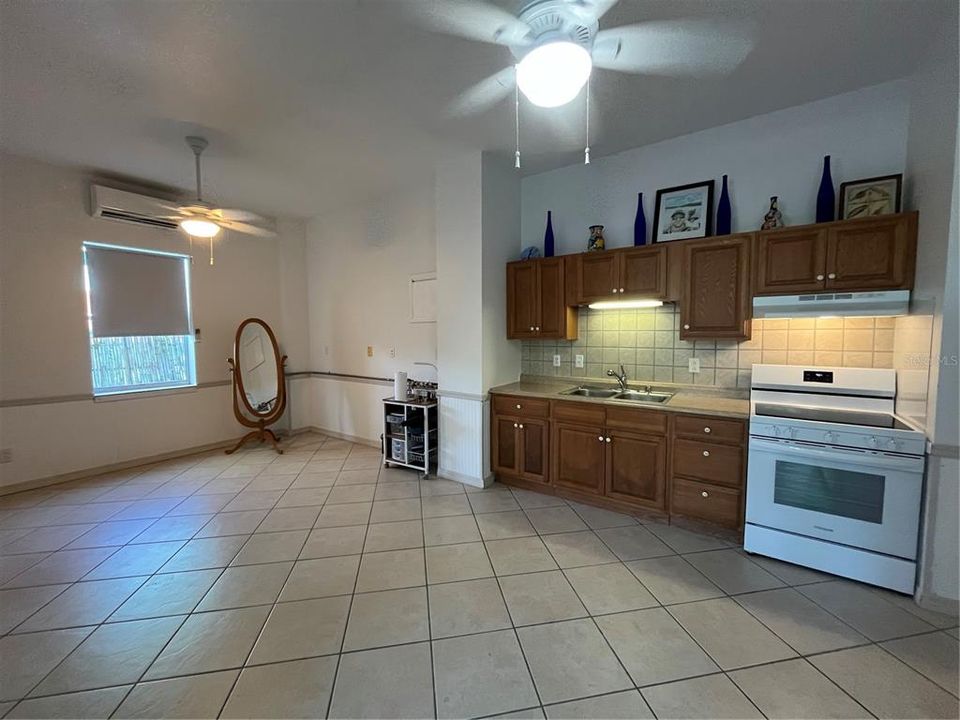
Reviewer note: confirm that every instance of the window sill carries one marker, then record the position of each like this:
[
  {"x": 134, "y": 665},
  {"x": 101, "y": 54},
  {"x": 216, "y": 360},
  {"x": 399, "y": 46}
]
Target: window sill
[{"x": 145, "y": 393}]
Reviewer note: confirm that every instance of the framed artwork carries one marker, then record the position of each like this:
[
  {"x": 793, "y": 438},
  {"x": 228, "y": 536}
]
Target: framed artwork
[
  {"x": 683, "y": 212},
  {"x": 872, "y": 196}
]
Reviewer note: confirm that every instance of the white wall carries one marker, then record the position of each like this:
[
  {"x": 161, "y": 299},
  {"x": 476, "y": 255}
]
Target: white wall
[
  {"x": 779, "y": 153},
  {"x": 46, "y": 355}
]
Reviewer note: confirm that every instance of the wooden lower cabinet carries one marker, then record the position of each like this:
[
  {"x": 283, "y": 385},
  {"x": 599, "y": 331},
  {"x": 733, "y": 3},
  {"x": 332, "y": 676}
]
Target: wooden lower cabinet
[
  {"x": 520, "y": 448},
  {"x": 636, "y": 468},
  {"x": 715, "y": 504},
  {"x": 579, "y": 453}
]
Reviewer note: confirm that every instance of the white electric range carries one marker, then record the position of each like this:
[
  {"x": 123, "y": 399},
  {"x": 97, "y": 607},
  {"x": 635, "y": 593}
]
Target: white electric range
[{"x": 835, "y": 478}]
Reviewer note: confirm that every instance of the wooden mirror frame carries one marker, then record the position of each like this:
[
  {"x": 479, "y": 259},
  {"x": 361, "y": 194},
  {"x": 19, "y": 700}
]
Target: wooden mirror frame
[{"x": 258, "y": 421}]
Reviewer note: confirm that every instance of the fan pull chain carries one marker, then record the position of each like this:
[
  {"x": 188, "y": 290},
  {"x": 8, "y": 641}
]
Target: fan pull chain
[
  {"x": 191, "y": 247},
  {"x": 211, "y": 251},
  {"x": 516, "y": 160},
  {"x": 586, "y": 151}
]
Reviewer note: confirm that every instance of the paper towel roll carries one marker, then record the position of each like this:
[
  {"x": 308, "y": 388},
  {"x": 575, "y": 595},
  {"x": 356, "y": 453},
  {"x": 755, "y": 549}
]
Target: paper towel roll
[{"x": 400, "y": 386}]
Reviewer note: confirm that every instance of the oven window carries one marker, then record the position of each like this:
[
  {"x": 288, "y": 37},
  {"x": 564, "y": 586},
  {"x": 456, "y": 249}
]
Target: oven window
[{"x": 844, "y": 493}]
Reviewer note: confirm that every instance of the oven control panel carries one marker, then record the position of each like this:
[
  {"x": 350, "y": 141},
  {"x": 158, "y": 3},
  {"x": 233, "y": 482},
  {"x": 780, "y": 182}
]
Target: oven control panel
[{"x": 879, "y": 440}]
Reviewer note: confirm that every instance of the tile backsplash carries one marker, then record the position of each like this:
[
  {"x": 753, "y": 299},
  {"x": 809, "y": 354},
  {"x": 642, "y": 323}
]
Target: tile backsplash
[{"x": 647, "y": 342}]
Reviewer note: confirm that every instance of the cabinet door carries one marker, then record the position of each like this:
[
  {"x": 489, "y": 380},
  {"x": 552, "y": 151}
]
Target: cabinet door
[
  {"x": 716, "y": 290},
  {"x": 534, "y": 446},
  {"x": 579, "y": 456},
  {"x": 552, "y": 308},
  {"x": 874, "y": 253},
  {"x": 790, "y": 262},
  {"x": 506, "y": 445},
  {"x": 598, "y": 276},
  {"x": 522, "y": 298},
  {"x": 643, "y": 272},
  {"x": 636, "y": 468}
]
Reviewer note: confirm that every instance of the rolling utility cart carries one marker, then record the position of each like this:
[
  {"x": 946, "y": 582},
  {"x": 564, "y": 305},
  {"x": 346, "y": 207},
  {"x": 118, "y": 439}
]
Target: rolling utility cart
[{"x": 410, "y": 434}]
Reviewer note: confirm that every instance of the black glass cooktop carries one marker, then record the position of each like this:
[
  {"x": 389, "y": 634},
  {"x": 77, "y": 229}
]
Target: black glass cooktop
[{"x": 844, "y": 417}]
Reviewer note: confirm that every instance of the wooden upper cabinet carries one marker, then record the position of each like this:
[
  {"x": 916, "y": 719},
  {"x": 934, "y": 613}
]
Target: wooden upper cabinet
[
  {"x": 636, "y": 468},
  {"x": 872, "y": 253},
  {"x": 536, "y": 301},
  {"x": 579, "y": 453},
  {"x": 876, "y": 253},
  {"x": 597, "y": 276},
  {"x": 790, "y": 262},
  {"x": 643, "y": 271},
  {"x": 715, "y": 300}
]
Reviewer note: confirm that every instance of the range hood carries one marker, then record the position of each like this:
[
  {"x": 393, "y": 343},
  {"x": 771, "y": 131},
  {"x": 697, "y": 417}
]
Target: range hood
[{"x": 884, "y": 302}]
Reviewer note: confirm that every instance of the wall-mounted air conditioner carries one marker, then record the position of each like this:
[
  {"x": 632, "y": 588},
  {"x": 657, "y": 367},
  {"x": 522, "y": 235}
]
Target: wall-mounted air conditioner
[{"x": 112, "y": 204}]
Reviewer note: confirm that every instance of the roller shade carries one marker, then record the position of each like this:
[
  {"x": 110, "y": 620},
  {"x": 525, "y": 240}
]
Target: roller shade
[{"x": 135, "y": 293}]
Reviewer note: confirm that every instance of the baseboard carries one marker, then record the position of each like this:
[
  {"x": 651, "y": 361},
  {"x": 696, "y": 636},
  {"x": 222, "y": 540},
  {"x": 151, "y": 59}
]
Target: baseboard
[
  {"x": 112, "y": 467},
  {"x": 465, "y": 479},
  {"x": 337, "y": 435},
  {"x": 945, "y": 605}
]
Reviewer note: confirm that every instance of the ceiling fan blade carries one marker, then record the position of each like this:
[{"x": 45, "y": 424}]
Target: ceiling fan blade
[
  {"x": 472, "y": 19},
  {"x": 246, "y": 228},
  {"x": 674, "y": 47},
  {"x": 235, "y": 214},
  {"x": 595, "y": 8},
  {"x": 484, "y": 95}
]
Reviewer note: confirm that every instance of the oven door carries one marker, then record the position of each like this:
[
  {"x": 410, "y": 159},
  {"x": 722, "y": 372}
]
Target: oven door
[{"x": 863, "y": 499}]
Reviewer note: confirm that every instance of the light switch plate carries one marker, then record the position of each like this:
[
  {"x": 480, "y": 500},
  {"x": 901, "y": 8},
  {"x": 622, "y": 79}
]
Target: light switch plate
[
  {"x": 369, "y": 350},
  {"x": 556, "y": 361},
  {"x": 578, "y": 361},
  {"x": 693, "y": 365}
]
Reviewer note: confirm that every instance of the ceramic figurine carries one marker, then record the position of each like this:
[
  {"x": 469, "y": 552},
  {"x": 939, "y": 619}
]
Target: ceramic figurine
[
  {"x": 548, "y": 239},
  {"x": 773, "y": 218},
  {"x": 596, "y": 241},
  {"x": 826, "y": 198}
]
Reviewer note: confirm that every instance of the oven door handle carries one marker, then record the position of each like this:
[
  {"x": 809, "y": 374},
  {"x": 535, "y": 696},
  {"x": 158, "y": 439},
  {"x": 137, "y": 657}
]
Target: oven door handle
[{"x": 817, "y": 452}]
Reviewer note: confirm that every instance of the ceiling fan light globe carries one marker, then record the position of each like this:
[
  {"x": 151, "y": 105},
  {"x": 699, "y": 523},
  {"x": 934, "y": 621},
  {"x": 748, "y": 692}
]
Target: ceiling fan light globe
[
  {"x": 199, "y": 228},
  {"x": 553, "y": 74}
]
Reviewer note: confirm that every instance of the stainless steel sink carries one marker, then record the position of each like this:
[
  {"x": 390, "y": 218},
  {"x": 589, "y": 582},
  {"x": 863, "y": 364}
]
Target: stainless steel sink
[
  {"x": 592, "y": 392},
  {"x": 643, "y": 396}
]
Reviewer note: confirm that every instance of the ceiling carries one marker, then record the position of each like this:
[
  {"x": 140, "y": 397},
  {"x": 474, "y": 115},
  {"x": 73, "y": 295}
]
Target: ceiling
[{"x": 309, "y": 104}]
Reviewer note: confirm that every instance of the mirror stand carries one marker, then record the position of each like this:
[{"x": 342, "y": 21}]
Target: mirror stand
[{"x": 261, "y": 433}]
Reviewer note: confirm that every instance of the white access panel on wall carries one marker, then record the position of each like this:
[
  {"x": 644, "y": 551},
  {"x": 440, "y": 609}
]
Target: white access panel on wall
[{"x": 423, "y": 298}]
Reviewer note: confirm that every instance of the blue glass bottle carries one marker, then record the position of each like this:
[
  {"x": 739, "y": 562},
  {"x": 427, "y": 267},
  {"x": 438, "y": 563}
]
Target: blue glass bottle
[
  {"x": 548, "y": 236},
  {"x": 724, "y": 213},
  {"x": 826, "y": 199},
  {"x": 640, "y": 223}
]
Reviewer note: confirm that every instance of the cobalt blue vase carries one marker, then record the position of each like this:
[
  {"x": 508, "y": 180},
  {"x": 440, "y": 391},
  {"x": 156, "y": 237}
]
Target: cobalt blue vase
[
  {"x": 640, "y": 223},
  {"x": 548, "y": 236},
  {"x": 826, "y": 199},
  {"x": 724, "y": 213}
]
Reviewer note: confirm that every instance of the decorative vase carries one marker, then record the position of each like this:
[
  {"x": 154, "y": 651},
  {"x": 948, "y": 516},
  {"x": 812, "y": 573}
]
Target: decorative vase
[
  {"x": 640, "y": 223},
  {"x": 773, "y": 218},
  {"x": 548, "y": 236},
  {"x": 826, "y": 199},
  {"x": 724, "y": 214},
  {"x": 596, "y": 241}
]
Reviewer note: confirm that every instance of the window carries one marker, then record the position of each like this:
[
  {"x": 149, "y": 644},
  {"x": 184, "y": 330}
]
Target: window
[{"x": 138, "y": 316}]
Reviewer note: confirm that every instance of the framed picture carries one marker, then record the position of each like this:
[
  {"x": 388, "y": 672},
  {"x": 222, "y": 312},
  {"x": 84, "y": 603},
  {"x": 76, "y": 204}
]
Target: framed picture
[
  {"x": 873, "y": 196},
  {"x": 683, "y": 212}
]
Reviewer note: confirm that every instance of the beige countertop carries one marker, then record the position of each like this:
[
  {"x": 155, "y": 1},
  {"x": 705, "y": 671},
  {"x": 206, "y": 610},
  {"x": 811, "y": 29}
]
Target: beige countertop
[{"x": 690, "y": 399}]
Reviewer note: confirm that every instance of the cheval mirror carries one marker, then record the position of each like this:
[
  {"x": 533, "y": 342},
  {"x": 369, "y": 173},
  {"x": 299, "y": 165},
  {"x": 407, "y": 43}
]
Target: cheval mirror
[{"x": 259, "y": 390}]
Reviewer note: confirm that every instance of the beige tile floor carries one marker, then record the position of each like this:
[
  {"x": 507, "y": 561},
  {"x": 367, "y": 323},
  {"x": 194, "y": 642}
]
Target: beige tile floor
[{"x": 319, "y": 584}]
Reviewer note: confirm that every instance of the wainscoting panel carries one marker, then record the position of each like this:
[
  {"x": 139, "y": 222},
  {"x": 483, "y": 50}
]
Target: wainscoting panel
[{"x": 465, "y": 439}]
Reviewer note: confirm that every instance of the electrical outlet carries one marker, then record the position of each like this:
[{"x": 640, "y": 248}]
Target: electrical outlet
[
  {"x": 693, "y": 365},
  {"x": 393, "y": 352},
  {"x": 369, "y": 350},
  {"x": 6, "y": 455},
  {"x": 556, "y": 361},
  {"x": 578, "y": 361}
]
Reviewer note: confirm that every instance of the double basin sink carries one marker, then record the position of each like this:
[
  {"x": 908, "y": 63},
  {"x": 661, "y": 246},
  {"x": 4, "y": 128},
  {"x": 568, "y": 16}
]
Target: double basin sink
[{"x": 638, "y": 396}]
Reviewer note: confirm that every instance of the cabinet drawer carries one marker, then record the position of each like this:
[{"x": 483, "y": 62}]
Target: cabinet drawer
[
  {"x": 633, "y": 419},
  {"x": 707, "y": 502},
  {"x": 714, "y": 463},
  {"x": 709, "y": 428},
  {"x": 578, "y": 412},
  {"x": 521, "y": 406}
]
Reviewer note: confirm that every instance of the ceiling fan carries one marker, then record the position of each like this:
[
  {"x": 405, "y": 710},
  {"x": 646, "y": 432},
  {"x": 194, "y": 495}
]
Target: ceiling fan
[
  {"x": 201, "y": 219},
  {"x": 558, "y": 43}
]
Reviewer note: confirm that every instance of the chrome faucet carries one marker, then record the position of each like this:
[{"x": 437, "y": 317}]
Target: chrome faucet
[{"x": 621, "y": 376}]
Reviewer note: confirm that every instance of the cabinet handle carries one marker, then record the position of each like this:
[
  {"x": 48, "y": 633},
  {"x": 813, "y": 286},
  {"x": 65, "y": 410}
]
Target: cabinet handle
[
  {"x": 614, "y": 290},
  {"x": 600, "y": 438},
  {"x": 531, "y": 328},
  {"x": 608, "y": 439},
  {"x": 521, "y": 426},
  {"x": 706, "y": 453},
  {"x": 706, "y": 429},
  {"x": 832, "y": 276},
  {"x": 819, "y": 277},
  {"x": 705, "y": 494},
  {"x": 515, "y": 425},
  {"x": 686, "y": 327},
  {"x": 538, "y": 328},
  {"x": 518, "y": 406},
  {"x": 622, "y": 290}
]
